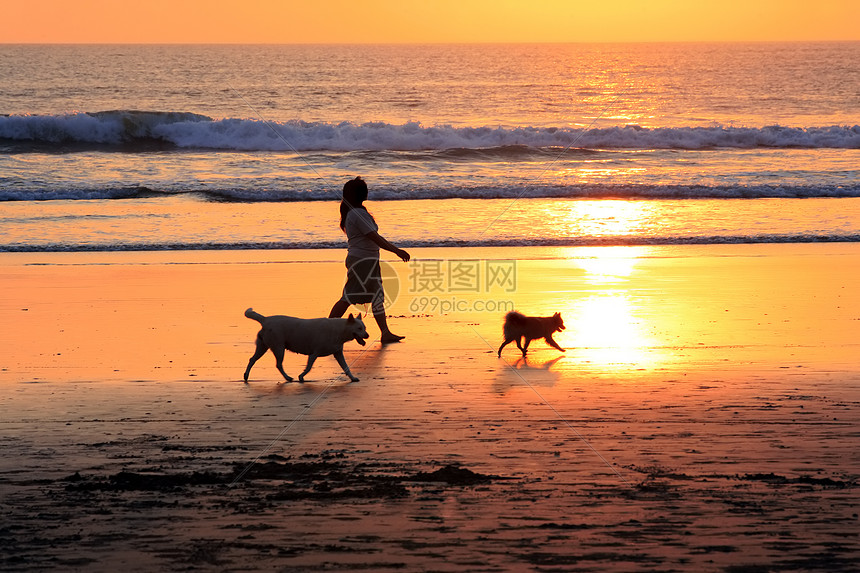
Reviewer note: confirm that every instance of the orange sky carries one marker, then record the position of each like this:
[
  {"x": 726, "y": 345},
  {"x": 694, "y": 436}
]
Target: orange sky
[{"x": 397, "y": 21}]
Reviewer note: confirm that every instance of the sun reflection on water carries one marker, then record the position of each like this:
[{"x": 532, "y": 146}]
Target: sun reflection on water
[
  {"x": 611, "y": 218},
  {"x": 608, "y": 265},
  {"x": 601, "y": 220},
  {"x": 606, "y": 328},
  {"x": 606, "y": 332}
]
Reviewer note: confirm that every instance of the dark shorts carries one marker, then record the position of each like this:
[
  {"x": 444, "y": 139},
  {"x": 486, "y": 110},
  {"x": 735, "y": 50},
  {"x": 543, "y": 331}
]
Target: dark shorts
[{"x": 363, "y": 281}]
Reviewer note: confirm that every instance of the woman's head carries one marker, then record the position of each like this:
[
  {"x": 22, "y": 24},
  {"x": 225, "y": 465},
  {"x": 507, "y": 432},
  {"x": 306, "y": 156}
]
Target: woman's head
[{"x": 354, "y": 194}]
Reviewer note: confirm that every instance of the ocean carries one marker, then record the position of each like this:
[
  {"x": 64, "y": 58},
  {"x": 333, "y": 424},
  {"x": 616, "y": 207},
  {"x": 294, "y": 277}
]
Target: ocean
[{"x": 231, "y": 147}]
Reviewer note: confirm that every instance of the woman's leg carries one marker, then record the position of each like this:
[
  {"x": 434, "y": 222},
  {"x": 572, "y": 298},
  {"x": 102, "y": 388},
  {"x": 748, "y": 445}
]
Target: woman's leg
[
  {"x": 378, "y": 307},
  {"x": 338, "y": 309},
  {"x": 387, "y": 335}
]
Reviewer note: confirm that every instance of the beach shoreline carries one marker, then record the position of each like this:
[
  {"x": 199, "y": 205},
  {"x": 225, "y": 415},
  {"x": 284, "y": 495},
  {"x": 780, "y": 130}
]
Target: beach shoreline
[{"x": 703, "y": 418}]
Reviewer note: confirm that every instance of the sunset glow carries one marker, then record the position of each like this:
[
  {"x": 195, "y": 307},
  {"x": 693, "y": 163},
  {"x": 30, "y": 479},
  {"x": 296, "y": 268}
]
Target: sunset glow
[
  {"x": 606, "y": 328},
  {"x": 607, "y": 333},
  {"x": 391, "y": 21},
  {"x": 605, "y": 264}
]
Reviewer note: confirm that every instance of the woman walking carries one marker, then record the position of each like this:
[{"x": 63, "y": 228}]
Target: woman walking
[{"x": 363, "y": 275}]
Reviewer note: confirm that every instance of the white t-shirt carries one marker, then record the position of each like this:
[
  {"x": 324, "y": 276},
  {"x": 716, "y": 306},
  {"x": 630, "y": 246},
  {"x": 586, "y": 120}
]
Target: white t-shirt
[{"x": 357, "y": 225}]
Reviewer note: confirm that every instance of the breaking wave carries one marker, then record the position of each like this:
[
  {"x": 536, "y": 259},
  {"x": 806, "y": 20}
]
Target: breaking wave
[
  {"x": 393, "y": 193},
  {"x": 518, "y": 242},
  {"x": 121, "y": 130}
]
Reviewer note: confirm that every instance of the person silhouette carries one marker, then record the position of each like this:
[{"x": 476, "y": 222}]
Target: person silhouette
[{"x": 363, "y": 275}]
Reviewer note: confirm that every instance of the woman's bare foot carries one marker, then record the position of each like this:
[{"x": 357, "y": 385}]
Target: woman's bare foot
[{"x": 390, "y": 337}]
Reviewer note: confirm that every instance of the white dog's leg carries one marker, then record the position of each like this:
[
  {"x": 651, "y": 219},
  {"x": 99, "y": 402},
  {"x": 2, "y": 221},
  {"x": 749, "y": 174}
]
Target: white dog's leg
[
  {"x": 278, "y": 351},
  {"x": 260, "y": 350},
  {"x": 311, "y": 359},
  {"x": 342, "y": 361}
]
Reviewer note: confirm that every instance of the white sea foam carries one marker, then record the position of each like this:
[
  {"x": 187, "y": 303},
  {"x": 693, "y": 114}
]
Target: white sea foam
[
  {"x": 382, "y": 193},
  {"x": 186, "y": 130},
  {"x": 485, "y": 242}
]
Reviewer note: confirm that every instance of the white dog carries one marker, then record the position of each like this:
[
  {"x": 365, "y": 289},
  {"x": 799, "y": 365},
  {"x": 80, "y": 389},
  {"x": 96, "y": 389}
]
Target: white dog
[{"x": 314, "y": 337}]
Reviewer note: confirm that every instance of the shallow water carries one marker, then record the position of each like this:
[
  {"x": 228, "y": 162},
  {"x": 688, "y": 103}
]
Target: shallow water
[
  {"x": 186, "y": 222},
  {"x": 188, "y": 147}
]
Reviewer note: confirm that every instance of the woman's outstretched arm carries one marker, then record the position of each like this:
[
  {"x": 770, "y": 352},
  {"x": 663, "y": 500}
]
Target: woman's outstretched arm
[{"x": 384, "y": 244}]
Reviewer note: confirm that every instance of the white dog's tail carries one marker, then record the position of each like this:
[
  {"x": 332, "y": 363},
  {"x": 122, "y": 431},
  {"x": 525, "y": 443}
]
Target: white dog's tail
[{"x": 254, "y": 315}]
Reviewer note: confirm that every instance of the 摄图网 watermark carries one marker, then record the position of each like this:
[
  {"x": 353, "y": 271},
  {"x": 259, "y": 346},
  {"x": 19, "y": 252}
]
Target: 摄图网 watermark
[
  {"x": 459, "y": 276},
  {"x": 445, "y": 286},
  {"x": 442, "y": 286}
]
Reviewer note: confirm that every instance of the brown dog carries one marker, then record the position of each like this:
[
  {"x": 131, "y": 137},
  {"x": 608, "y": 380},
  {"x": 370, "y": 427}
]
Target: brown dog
[
  {"x": 314, "y": 337},
  {"x": 530, "y": 328}
]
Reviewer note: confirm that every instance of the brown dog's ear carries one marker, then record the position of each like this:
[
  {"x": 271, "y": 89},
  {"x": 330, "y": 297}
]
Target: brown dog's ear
[{"x": 350, "y": 318}]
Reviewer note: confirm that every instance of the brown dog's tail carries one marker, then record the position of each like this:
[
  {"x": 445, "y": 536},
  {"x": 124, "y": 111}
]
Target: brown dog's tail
[
  {"x": 513, "y": 320},
  {"x": 254, "y": 315},
  {"x": 515, "y": 317}
]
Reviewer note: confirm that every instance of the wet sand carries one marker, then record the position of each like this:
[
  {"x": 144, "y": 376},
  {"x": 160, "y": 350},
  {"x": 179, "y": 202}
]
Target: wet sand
[{"x": 703, "y": 418}]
